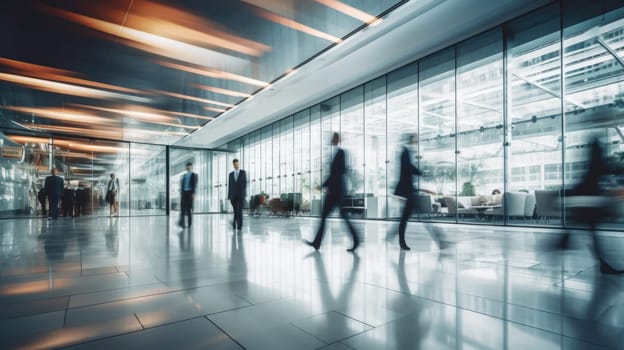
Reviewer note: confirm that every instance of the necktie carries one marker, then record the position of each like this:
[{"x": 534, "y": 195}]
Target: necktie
[{"x": 236, "y": 176}]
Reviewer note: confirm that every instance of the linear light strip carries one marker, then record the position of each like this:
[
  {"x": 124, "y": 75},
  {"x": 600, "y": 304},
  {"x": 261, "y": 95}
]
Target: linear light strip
[
  {"x": 68, "y": 89},
  {"x": 348, "y": 10}
]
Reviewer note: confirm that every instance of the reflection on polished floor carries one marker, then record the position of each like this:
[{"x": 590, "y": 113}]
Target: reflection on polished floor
[{"x": 101, "y": 283}]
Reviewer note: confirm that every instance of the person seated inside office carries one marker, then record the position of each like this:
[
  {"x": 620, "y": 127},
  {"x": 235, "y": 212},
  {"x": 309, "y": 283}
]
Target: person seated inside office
[{"x": 495, "y": 199}]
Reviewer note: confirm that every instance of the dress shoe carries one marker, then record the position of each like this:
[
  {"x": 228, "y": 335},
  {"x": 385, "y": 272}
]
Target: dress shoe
[
  {"x": 607, "y": 269},
  {"x": 355, "y": 246},
  {"x": 313, "y": 245},
  {"x": 405, "y": 247}
]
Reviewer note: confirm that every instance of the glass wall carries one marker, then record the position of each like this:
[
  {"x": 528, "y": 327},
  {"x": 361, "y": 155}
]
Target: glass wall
[
  {"x": 402, "y": 119},
  {"x": 375, "y": 148},
  {"x": 593, "y": 63},
  {"x": 436, "y": 137},
  {"x": 25, "y": 161},
  {"x": 503, "y": 119},
  {"x": 480, "y": 133},
  {"x": 212, "y": 172},
  {"x": 85, "y": 165},
  {"x": 534, "y": 125},
  {"x": 148, "y": 178}
]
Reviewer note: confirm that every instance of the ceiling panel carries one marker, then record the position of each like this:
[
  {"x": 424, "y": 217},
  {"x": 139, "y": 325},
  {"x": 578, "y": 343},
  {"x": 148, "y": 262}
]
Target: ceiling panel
[{"x": 155, "y": 71}]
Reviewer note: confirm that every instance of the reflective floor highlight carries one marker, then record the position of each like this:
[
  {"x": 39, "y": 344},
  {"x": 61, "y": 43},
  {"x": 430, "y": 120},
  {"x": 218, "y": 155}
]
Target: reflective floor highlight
[{"x": 102, "y": 283}]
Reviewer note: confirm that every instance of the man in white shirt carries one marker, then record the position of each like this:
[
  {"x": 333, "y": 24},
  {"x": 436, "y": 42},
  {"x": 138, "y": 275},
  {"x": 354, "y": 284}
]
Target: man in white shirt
[
  {"x": 237, "y": 191},
  {"x": 187, "y": 194}
]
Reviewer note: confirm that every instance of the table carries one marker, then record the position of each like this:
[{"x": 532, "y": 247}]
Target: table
[{"x": 482, "y": 208}]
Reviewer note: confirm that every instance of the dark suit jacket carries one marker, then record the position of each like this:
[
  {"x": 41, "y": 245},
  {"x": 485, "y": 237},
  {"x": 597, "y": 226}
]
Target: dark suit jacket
[
  {"x": 335, "y": 182},
  {"x": 54, "y": 186},
  {"x": 237, "y": 189},
  {"x": 405, "y": 187},
  {"x": 193, "y": 183}
]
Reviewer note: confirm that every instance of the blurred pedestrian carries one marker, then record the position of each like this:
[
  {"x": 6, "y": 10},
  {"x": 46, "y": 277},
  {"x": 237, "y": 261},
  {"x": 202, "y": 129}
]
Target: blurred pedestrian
[
  {"x": 588, "y": 202},
  {"x": 54, "y": 190},
  {"x": 41, "y": 196},
  {"x": 112, "y": 195},
  {"x": 68, "y": 202},
  {"x": 405, "y": 187},
  {"x": 237, "y": 191},
  {"x": 187, "y": 194},
  {"x": 336, "y": 190}
]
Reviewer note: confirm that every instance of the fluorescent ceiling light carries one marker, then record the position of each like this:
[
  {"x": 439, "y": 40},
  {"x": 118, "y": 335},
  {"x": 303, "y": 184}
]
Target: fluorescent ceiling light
[{"x": 68, "y": 89}]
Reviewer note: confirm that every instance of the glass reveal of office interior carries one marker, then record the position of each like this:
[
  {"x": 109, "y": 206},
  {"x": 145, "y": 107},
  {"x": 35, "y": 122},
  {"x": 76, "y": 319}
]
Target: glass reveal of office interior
[
  {"x": 86, "y": 166},
  {"x": 504, "y": 121}
]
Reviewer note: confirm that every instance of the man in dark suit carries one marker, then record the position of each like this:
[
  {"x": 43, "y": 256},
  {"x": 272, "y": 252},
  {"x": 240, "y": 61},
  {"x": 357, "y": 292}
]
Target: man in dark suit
[
  {"x": 237, "y": 191},
  {"x": 336, "y": 190},
  {"x": 405, "y": 187},
  {"x": 187, "y": 194},
  {"x": 54, "y": 189},
  {"x": 41, "y": 196},
  {"x": 81, "y": 201},
  {"x": 68, "y": 202}
]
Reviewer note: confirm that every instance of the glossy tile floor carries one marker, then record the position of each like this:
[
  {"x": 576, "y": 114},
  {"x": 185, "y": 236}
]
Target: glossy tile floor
[{"x": 100, "y": 283}]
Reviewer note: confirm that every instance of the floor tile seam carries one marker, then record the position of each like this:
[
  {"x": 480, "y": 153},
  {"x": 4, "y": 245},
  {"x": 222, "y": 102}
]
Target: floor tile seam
[
  {"x": 353, "y": 335},
  {"x": 138, "y": 320},
  {"x": 36, "y": 313},
  {"x": 281, "y": 298},
  {"x": 561, "y": 334},
  {"x": 484, "y": 314},
  {"x": 124, "y": 299},
  {"x": 243, "y": 299},
  {"x": 464, "y": 294},
  {"x": 126, "y": 333},
  {"x": 73, "y": 278},
  {"x": 465, "y": 309},
  {"x": 353, "y": 318},
  {"x": 66, "y": 311},
  {"x": 170, "y": 291},
  {"x": 201, "y": 285},
  {"x": 229, "y": 310},
  {"x": 336, "y": 342},
  {"x": 595, "y": 321},
  {"x": 325, "y": 343},
  {"x": 226, "y": 333},
  {"x": 532, "y": 309},
  {"x": 69, "y": 296}
]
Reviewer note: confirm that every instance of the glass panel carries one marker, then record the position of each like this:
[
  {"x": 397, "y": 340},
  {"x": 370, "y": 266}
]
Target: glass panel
[
  {"x": 402, "y": 119},
  {"x": 437, "y": 129},
  {"x": 317, "y": 162},
  {"x": 25, "y": 161},
  {"x": 534, "y": 115},
  {"x": 594, "y": 92},
  {"x": 218, "y": 200},
  {"x": 286, "y": 156},
  {"x": 480, "y": 154},
  {"x": 277, "y": 176},
  {"x": 352, "y": 141},
  {"x": 267, "y": 147},
  {"x": 206, "y": 192},
  {"x": 246, "y": 158},
  {"x": 375, "y": 147},
  {"x": 148, "y": 175},
  {"x": 330, "y": 123},
  {"x": 302, "y": 160},
  {"x": 106, "y": 158}
]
